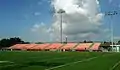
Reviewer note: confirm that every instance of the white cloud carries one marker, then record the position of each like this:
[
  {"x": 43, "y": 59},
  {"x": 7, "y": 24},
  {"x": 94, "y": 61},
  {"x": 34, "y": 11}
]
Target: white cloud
[
  {"x": 37, "y": 13},
  {"x": 110, "y": 1},
  {"x": 39, "y": 3},
  {"x": 119, "y": 5},
  {"x": 35, "y": 27},
  {"x": 82, "y": 19},
  {"x": 39, "y": 27},
  {"x": 40, "y": 32}
]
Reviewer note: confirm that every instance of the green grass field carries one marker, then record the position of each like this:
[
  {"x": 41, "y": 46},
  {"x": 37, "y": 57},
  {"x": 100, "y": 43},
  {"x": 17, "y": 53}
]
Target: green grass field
[{"x": 59, "y": 61}]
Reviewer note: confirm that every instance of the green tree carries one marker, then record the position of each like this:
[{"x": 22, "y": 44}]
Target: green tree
[
  {"x": 4, "y": 42},
  {"x": 11, "y": 41},
  {"x": 118, "y": 42}
]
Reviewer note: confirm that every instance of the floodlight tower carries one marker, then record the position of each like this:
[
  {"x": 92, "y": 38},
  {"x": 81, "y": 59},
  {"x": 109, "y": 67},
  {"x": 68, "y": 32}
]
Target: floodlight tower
[
  {"x": 111, "y": 14},
  {"x": 66, "y": 39},
  {"x": 61, "y": 11}
]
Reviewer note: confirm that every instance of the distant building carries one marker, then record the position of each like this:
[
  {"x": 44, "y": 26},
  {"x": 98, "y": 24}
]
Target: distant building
[{"x": 116, "y": 48}]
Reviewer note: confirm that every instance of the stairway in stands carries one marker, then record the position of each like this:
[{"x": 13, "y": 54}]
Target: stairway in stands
[
  {"x": 45, "y": 48},
  {"x": 91, "y": 46},
  {"x": 75, "y": 46},
  {"x": 61, "y": 46},
  {"x": 31, "y": 46}
]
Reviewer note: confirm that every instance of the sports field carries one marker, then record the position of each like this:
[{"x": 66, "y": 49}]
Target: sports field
[{"x": 59, "y": 61}]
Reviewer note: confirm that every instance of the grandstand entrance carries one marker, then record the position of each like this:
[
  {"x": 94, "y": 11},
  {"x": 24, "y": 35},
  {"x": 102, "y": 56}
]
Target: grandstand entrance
[{"x": 116, "y": 48}]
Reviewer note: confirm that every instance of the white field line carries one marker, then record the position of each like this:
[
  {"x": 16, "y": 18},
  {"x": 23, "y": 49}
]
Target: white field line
[
  {"x": 70, "y": 63},
  {"x": 44, "y": 60},
  {"x": 6, "y": 62},
  {"x": 116, "y": 64},
  {"x": 9, "y": 65},
  {"x": 1, "y": 62}
]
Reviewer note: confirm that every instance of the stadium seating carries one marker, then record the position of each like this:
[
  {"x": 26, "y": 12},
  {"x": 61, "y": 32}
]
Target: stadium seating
[
  {"x": 19, "y": 47},
  {"x": 40, "y": 46},
  {"x": 57, "y": 46},
  {"x": 54, "y": 46},
  {"x": 14, "y": 46},
  {"x": 29, "y": 46},
  {"x": 68, "y": 46},
  {"x": 83, "y": 46},
  {"x": 95, "y": 47}
]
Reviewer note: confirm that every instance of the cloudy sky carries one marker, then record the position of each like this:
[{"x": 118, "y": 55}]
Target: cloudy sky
[{"x": 37, "y": 20}]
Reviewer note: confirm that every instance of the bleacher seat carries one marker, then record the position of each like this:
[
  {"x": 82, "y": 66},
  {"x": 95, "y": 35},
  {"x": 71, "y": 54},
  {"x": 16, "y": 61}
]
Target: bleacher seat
[
  {"x": 95, "y": 47},
  {"x": 19, "y": 46},
  {"x": 54, "y": 46},
  {"x": 30, "y": 46},
  {"x": 14, "y": 46},
  {"x": 40, "y": 46},
  {"x": 68, "y": 46},
  {"x": 83, "y": 46}
]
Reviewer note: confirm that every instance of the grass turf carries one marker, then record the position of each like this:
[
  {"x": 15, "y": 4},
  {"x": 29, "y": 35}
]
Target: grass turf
[{"x": 21, "y": 60}]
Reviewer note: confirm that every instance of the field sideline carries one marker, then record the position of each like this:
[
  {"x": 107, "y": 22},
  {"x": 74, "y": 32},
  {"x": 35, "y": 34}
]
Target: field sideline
[{"x": 21, "y": 60}]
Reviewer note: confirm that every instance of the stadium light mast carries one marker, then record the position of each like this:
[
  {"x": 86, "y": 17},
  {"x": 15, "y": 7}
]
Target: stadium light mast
[
  {"x": 61, "y": 11},
  {"x": 66, "y": 38},
  {"x": 111, "y": 14}
]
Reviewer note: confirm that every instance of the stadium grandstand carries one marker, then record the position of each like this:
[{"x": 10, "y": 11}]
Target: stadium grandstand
[
  {"x": 57, "y": 47},
  {"x": 68, "y": 46}
]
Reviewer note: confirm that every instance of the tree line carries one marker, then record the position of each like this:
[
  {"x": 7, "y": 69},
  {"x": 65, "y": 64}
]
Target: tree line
[{"x": 7, "y": 42}]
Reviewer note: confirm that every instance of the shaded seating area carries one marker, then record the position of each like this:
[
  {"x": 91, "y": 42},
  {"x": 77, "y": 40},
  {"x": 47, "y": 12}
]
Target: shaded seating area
[
  {"x": 28, "y": 47},
  {"x": 95, "y": 47},
  {"x": 14, "y": 46},
  {"x": 54, "y": 46},
  {"x": 68, "y": 46},
  {"x": 83, "y": 47},
  {"x": 18, "y": 47},
  {"x": 39, "y": 47}
]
